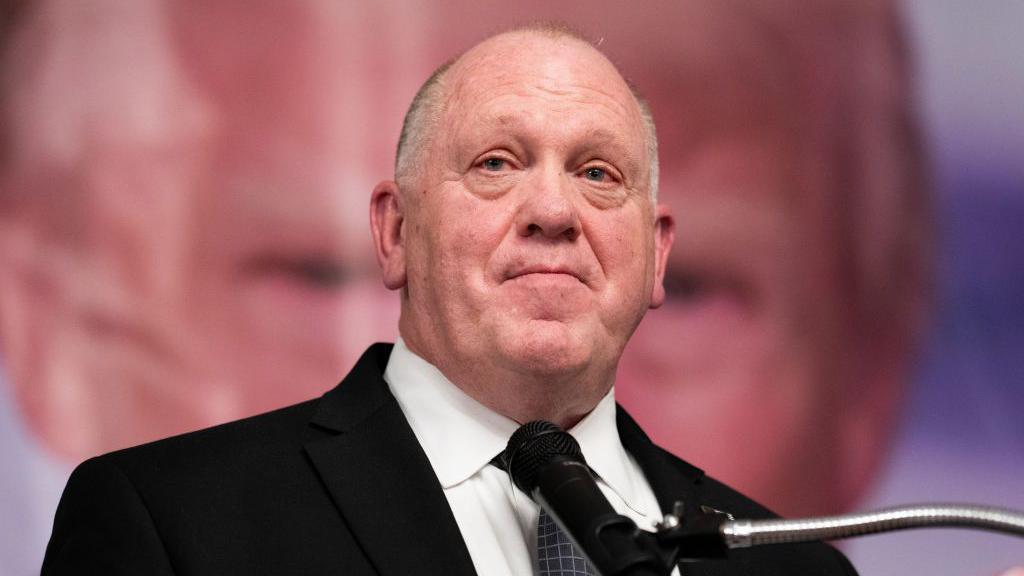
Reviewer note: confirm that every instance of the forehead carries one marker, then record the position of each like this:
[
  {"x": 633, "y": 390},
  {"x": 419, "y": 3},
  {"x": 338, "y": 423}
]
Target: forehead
[{"x": 509, "y": 79}]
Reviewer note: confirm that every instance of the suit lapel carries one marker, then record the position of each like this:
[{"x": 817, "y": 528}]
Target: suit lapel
[
  {"x": 380, "y": 479},
  {"x": 671, "y": 479}
]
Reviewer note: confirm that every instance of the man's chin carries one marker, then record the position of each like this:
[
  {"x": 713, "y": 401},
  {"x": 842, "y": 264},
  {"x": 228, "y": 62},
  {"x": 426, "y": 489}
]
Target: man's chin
[{"x": 548, "y": 348}]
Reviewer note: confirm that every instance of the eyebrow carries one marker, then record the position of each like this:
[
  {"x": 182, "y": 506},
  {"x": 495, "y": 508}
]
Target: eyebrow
[{"x": 602, "y": 135}]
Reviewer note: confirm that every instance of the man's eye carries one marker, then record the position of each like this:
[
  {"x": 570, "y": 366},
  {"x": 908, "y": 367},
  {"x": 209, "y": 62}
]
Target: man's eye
[
  {"x": 493, "y": 164},
  {"x": 596, "y": 174}
]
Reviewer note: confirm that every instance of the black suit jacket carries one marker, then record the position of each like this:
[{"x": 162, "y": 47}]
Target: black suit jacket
[{"x": 333, "y": 486}]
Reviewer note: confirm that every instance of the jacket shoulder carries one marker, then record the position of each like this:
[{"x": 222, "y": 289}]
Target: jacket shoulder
[
  {"x": 237, "y": 498},
  {"x": 281, "y": 430}
]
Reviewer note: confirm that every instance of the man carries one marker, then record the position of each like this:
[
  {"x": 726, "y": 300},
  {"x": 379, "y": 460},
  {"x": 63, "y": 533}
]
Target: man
[{"x": 523, "y": 233}]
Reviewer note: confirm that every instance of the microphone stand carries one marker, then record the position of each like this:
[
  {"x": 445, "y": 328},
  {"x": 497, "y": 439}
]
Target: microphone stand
[{"x": 712, "y": 535}]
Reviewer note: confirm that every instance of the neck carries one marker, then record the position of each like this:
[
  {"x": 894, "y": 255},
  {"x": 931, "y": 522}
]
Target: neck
[{"x": 523, "y": 395}]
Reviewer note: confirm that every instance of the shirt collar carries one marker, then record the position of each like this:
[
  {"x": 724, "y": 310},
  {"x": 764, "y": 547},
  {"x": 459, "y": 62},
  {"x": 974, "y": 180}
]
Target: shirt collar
[
  {"x": 460, "y": 436},
  {"x": 598, "y": 436}
]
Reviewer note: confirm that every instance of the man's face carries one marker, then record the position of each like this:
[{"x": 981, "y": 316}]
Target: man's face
[{"x": 531, "y": 238}]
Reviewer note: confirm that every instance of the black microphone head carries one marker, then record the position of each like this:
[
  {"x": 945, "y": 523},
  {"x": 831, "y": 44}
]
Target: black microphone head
[{"x": 533, "y": 446}]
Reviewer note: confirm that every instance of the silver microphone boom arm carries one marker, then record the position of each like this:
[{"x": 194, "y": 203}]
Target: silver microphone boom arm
[{"x": 746, "y": 533}]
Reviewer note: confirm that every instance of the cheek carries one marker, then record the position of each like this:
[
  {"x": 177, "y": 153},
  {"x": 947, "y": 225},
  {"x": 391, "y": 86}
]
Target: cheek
[
  {"x": 453, "y": 246},
  {"x": 623, "y": 246},
  {"x": 444, "y": 293}
]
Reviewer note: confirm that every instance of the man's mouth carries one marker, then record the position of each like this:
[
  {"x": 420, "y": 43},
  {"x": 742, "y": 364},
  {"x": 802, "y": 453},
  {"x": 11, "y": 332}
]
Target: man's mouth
[{"x": 543, "y": 270}]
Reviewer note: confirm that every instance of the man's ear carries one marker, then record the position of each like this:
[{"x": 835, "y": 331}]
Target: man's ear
[
  {"x": 386, "y": 225},
  {"x": 664, "y": 235}
]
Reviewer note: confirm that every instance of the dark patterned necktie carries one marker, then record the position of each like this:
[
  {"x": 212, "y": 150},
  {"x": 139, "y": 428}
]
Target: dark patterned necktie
[{"x": 556, "y": 554}]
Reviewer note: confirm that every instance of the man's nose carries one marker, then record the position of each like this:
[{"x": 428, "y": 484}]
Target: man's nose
[{"x": 548, "y": 209}]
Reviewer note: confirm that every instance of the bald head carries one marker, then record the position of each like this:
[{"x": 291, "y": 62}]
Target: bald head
[{"x": 428, "y": 106}]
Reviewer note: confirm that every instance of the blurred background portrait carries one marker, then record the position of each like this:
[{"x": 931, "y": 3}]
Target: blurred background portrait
[{"x": 184, "y": 190}]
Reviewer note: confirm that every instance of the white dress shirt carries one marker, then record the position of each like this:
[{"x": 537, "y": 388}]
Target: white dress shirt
[{"x": 460, "y": 437}]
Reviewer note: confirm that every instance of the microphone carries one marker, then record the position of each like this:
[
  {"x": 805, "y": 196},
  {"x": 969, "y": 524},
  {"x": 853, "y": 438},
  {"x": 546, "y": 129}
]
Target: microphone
[{"x": 546, "y": 463}]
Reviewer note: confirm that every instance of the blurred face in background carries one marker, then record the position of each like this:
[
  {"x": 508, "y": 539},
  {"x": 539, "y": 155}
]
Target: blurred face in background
[{"x": 180, "y": 239}]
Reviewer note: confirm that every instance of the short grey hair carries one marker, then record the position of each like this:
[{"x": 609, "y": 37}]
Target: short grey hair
[
  {"x": 427, "y": 107},
  {"x": 420, "y": 122}
]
